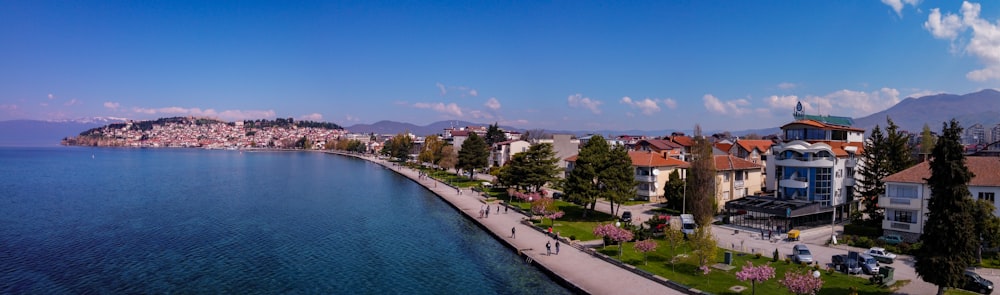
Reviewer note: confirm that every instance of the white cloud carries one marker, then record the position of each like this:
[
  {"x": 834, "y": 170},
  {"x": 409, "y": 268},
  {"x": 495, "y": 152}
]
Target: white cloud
[
  {"x": 840, "y": 103},
  {"x": 897, "y": 5},
  {"x": 647, "y": 106},
  {"x": 493, "y": 103},
  {"x": 670, "y": 103},
  {"x": 72, "y": 102},
  {"x": 922, "y": 93},
  {"x": 51, "y": 97},
  {"x": 473, "y": 92},
  {"x": 477, "y": 114},
  {"x": 317, "y": 117},
  {"x": 350, "y": 118},
  {"x": 444, "y": 90},
  {"x": 111, "y": 105},
  {"x": 786, "y": 85},
  {"x": 577, "y": 100},
  {"x": 450, "y": 109},
  {"x": 229, "y": 115},
  {"x": 8, "y": 107},
  {"x": 735, "y": 107},
  {"x": 984, "y": 42}
]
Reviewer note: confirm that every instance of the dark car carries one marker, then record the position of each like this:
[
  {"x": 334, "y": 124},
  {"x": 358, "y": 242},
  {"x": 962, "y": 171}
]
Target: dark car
[
  {"x": 627, "y": 216},
  {"x": 976, "y": 283},
  {"x": 846, "y": 264}
]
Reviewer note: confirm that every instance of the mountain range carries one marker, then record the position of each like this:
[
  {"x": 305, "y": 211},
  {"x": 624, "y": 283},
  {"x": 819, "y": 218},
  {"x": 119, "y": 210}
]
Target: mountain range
[{"x": 911, "y": 114}]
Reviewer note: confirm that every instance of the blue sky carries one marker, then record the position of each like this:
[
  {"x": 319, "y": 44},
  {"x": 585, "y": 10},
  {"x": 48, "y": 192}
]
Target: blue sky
[{"x": 570, "y": 65}]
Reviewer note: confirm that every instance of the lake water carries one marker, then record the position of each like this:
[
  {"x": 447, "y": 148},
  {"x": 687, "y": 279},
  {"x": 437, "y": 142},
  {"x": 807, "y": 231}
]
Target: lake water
[{"x": 90, "y": 220}]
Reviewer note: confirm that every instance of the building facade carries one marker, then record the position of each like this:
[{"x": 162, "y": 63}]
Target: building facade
[
  {"x": 735, "y": 178},
  {"x": 907, "y": 195}
]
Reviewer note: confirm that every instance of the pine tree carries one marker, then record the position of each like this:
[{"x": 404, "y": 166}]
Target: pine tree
[
  {"x": 618, "y": 178},
  {"x": 494, "y": 135},
  {"x": 582, "y": 182},
  {"x": 948, "y": 247},
  {"x": 926, "y": 141},
  {"x": 473, "y": 154},
  {"x": 871, "y": 170},
  {"x": 542, "y": 165},
  {"x": 701, "y": 179},
  {"x": 674, "y": 190},
  {"x": 897, "y": 148}
]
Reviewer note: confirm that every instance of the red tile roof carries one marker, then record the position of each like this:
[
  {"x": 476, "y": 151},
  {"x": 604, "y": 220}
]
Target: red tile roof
[
  {"x": 730, "y": 162},
  {"x": 751, "y": 144},
  {"x": 685, "y": 141},
  {"x": 649, "y": 159},
  {"x": 986, "y": 169},
  {"x": 723, "y": 146},
  {"x": 659, "y": 144}
]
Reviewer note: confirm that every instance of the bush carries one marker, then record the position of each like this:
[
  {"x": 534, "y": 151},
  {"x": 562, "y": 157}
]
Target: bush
[
  {"x": 861, "y": 230},
  {"x": 775, "y": 258},
  {"x": 756, "y": 255},
  {"x": 788, "y": 261},
  {"x": 572, "y": 237},
  {"x": 863, "y": 242}
]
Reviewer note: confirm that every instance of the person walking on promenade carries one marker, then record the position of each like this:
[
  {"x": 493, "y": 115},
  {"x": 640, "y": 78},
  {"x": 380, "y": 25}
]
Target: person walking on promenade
[
  {"x": 557, "y": 247},
  {"x": 512, "y": 232},
  {"x": 505, "y": 208},
  {"x": 498, "y": 209},
  {"x": 548, "y": 248},
  {"x": 487, "y": 211}
]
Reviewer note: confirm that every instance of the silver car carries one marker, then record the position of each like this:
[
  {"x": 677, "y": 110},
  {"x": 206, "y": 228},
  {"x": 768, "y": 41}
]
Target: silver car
[{"x": 801, "y": 254}]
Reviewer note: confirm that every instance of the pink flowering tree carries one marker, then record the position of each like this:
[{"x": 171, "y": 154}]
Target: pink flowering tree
[
  {"x": 553, "y": 216},
  {"x": 613, "y": 233},
  {"x": 755, "y": 274},
  {"x": 801, "y": 282},
  {"x": 645, "y": 246}
]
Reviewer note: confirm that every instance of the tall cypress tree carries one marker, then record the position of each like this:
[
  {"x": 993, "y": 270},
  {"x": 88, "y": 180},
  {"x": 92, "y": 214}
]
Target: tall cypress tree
[
  {"x": 701, "y": 179},
  {"x": 871, "y": 171},
  {"x": 948, "y": 241}
]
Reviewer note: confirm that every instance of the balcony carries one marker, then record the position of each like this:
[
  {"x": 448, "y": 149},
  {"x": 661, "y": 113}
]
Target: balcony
[
  {"x": 900, "y": 226},
  {"x": 797, "y": 182},
  {"x": 899, "y": 203},
  {"x": 645, "y": 178},
  {"x": 738, "y": 184},
  {"x": 848, "y": 181},
  {"x": 805, "y": 162},
  {"x": 851, "y": 162}
]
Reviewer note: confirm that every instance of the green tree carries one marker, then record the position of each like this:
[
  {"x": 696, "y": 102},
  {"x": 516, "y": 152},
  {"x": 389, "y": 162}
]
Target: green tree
[
  {"x": 512, "y": 174},
  {"x": 704, "y": 246},
  {"x": 947, "y": 249},
  {"x": 473, "y": 154},
  {"x": 494, "y": 135},
  {"x": 926, "y": 140},
  {"x": 398, "y": 146},
  {"x": 701, "y": 179},
  {"x": 538, "y": 166},
  {"x": 897, "y": 148},
  {"x": 448, "y": 157},
  {"x": 618, "y": 178},
  {"x": 987, "y": 225},
  {"x": 431, "y": 152},
  {"x": 582, "y": 183},
  {"x": 674, "y": 190},
  {"x": 871, "y": 171}
]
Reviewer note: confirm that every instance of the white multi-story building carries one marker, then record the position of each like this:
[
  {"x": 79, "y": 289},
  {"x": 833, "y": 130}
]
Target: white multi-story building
[{"x": 907, "y": 195}]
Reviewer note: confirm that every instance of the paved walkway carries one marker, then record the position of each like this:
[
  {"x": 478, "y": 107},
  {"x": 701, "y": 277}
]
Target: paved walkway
[{"x": 583, "y": 270}]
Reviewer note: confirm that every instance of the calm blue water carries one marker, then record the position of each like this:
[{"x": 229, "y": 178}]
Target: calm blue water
[{"x": 87, "y": 220}]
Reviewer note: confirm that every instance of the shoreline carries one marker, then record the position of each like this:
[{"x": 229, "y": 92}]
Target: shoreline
[{"x": 581, "y": 270}]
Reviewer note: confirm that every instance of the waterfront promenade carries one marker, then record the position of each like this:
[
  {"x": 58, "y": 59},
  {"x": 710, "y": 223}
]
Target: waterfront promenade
[{"x": 580, "y": 269}]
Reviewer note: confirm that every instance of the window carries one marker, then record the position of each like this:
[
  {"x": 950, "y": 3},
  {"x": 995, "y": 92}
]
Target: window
[
  {"x": 838, "y": 135},
  {"x": 904, "y": 216},
  {"x": 901, "y": 191},
  {"x": 725, "y": 176},
  {"x": 725, "y": 196},
  {"x": 989, "y": 196},
  {"x": 819, "y": 134},
  {"x": 793, "y": 134}
]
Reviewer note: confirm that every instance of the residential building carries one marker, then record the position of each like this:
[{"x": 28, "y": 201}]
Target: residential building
[
  {"x": 652, "y": 171},
  {"x": 907, "y": 195},
  {"x": 565, "y": 146},
  {"x": 661, "y": 146},
  {"x": 735, "y": 178},
  {"x": 502, "y": 152},
  {"x": 975, "y": 134}
]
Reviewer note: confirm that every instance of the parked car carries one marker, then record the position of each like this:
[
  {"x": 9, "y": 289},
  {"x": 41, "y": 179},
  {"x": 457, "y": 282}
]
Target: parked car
[
  {"x": 881, "y": 255},
  {"x": 846, "y": 264},
  {"x": 891, "y": 239},
  {"x": 868, "y": 264},
  {"x": 800, "y": 253},
  {"x": 976, "y": 283},
  {"x": 627, "y": 216}
]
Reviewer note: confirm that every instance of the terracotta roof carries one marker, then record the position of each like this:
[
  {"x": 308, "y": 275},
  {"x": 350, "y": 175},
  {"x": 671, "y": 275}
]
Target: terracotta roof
[
  {"x": 986, "y": 169},
  {"x": 818, "y": 124},
  {"x": 459, "y": 133},
  {"x": 838, "y": 147},
  {"x": 571, "y": 159},
  {"x": 730, "y": 162},
  {"x": 751, "y": 144},
  {"x": 659, "y": 144},
  {"x": 723, "y": 146},
  {"x": 684, "y": 141},
  {"x": 648, "y": 159}
]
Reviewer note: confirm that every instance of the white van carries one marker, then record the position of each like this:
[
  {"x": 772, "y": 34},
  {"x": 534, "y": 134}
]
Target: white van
[{"x": 687, "y": 224}]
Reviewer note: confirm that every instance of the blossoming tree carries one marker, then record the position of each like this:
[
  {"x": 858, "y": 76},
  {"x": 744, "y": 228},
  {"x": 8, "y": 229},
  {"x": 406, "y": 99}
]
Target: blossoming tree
[
  {"x": 645, "y": 246},
  {"x": 801, "y": 282},
  {"x": 614, "y": 233},
  {"x": 755, "y": 274}
]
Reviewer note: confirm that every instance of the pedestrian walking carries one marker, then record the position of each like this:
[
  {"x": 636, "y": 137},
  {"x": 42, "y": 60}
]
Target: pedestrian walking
[
  {"x": 505, "y": 208},
  {"x": 487, "y": 211},
  {"x": 548, "y": 248},
  {"x": 512, "y": 232},
  {"x": 498, "y": 209},
  {"x": 557, "y": 247}
]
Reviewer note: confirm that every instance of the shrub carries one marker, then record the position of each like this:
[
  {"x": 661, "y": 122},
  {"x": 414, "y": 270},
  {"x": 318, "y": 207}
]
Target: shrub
[
  {"x": 863, "y": 242},
  {"x": 572, "y": 237},
  {"x": 788, "y": 261},
  {"x": 756, "y": 255},
  {"x": 861, "y": 230},
  {"x": 775, "y": 258}
]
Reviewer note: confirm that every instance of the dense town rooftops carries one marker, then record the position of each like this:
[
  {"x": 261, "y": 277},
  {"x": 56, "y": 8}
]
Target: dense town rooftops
[
  {"x": 986, "y": 170},
  {"x": 730, "y": 162},
  {"x": 751, "y": 144}
]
